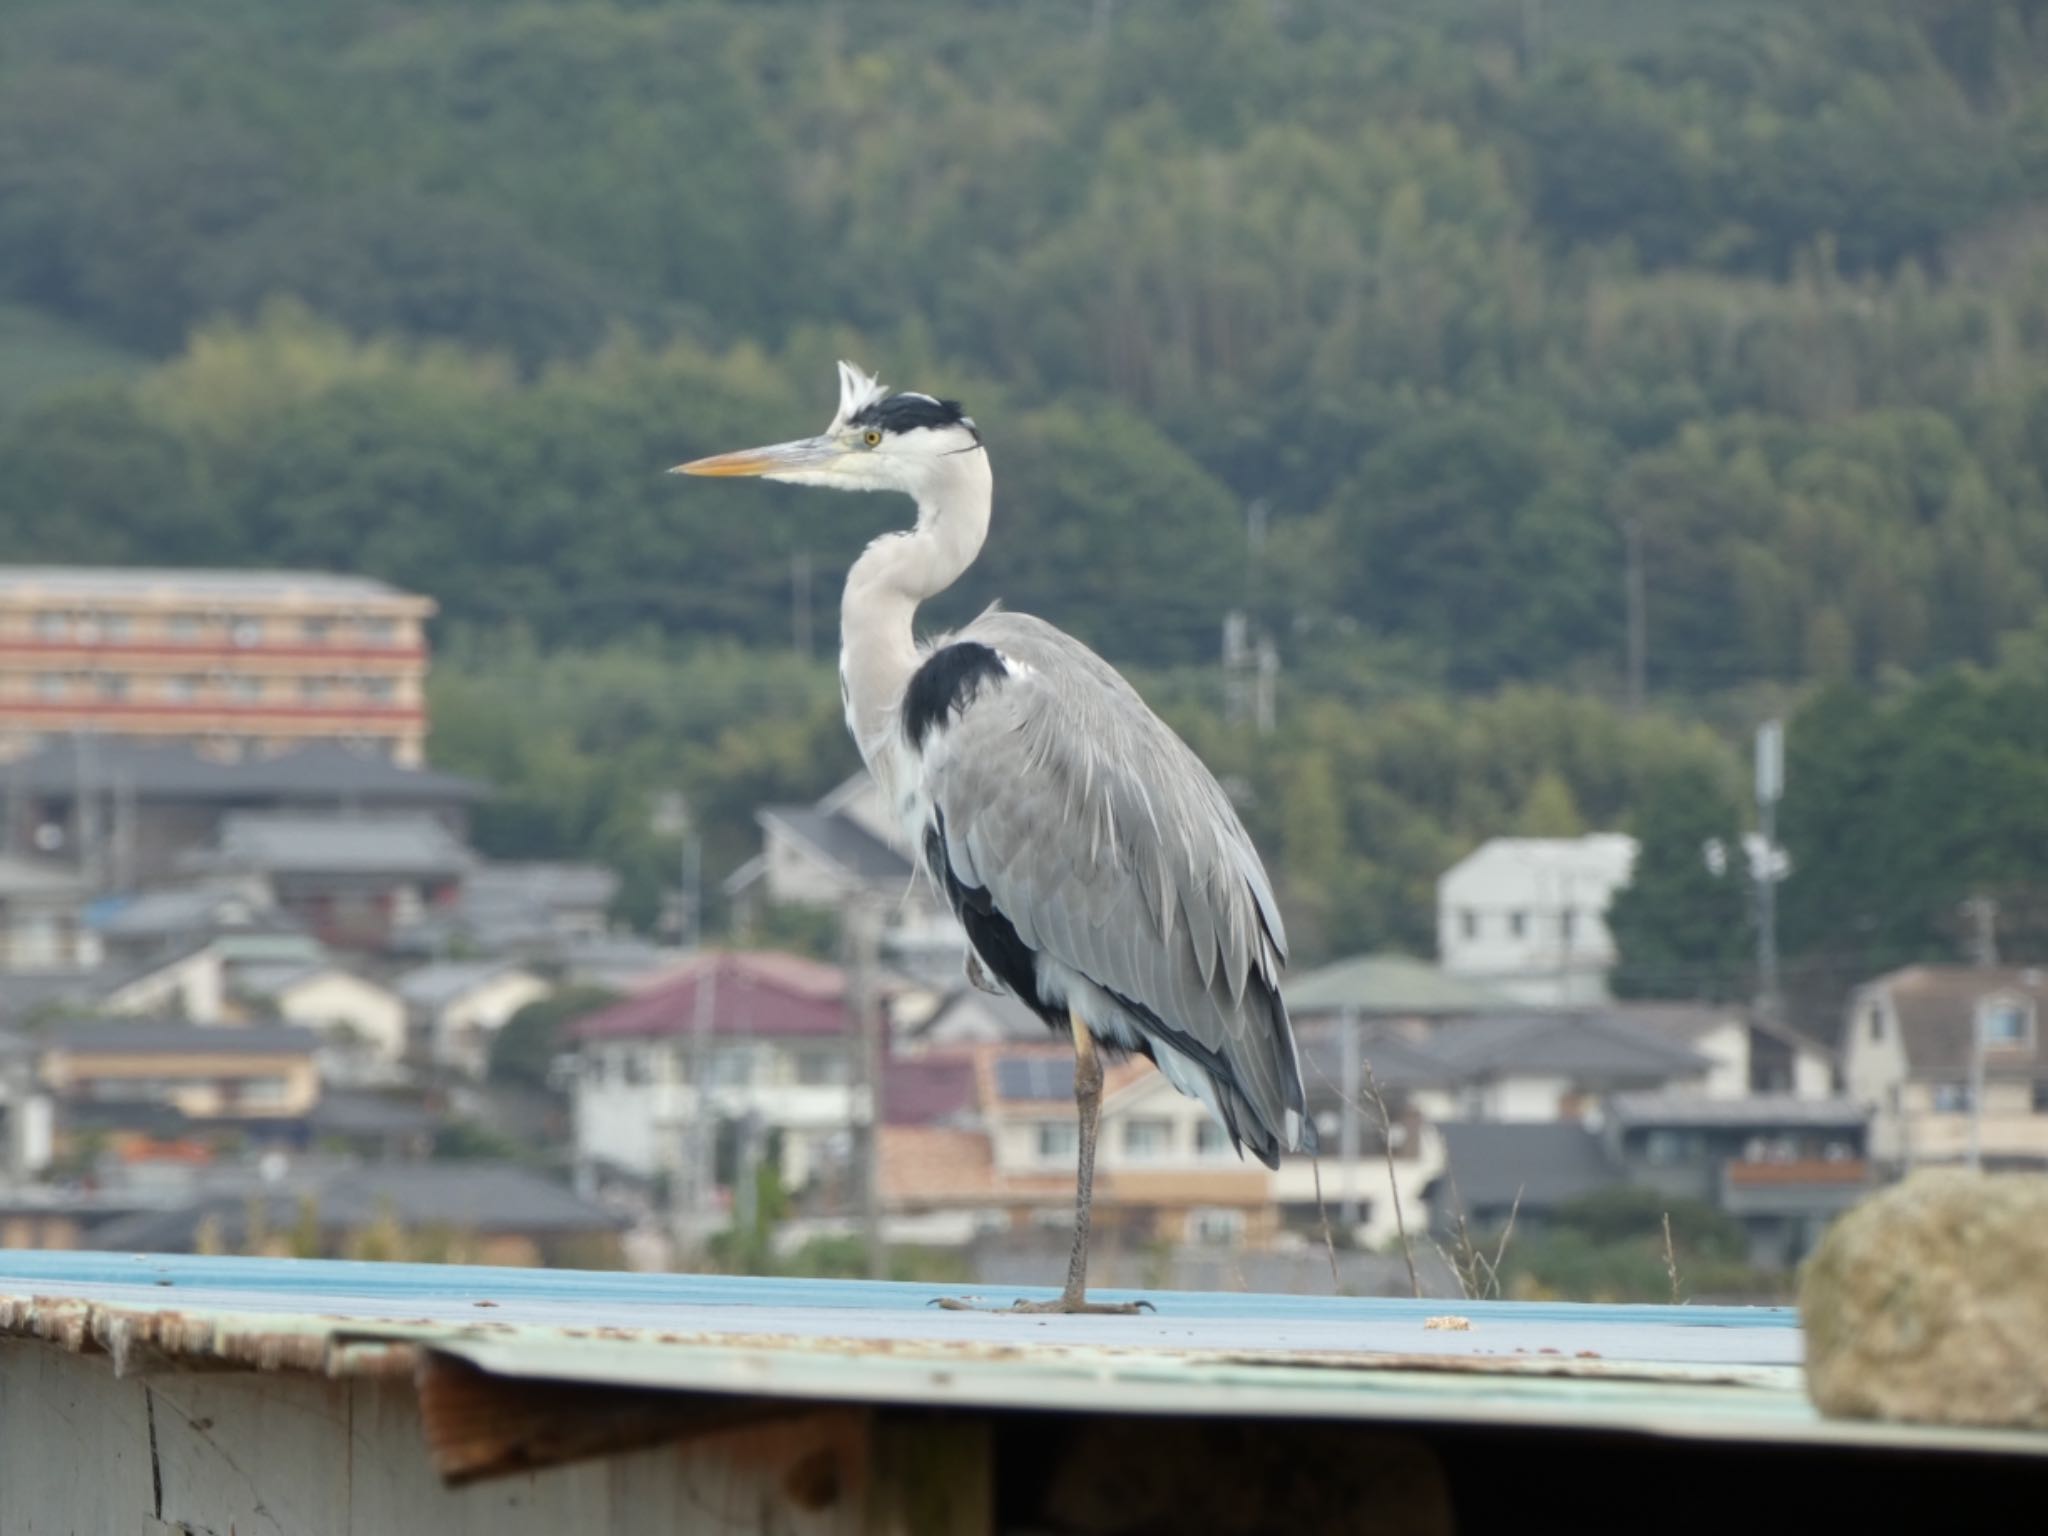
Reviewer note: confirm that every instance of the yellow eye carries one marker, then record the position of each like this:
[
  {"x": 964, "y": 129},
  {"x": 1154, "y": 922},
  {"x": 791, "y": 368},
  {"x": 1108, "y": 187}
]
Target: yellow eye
[{"x": 872, "y": 438}]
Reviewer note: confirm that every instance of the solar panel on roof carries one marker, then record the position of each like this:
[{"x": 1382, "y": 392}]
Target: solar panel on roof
[{"x": 1034, "y": 1077}]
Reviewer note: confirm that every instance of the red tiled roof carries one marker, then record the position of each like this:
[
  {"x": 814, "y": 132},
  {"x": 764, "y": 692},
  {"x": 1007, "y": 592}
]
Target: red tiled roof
[
  {"x": 748, "y": 993},
  {"x": 923, "y": 1090}
]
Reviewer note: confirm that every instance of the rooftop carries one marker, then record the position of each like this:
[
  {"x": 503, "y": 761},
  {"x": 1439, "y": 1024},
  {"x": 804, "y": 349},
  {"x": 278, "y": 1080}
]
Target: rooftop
[
  {"x": 744, "y": 992},
  {"x": 1573, "y": 1044},
  {"x": 1936, "y": 1007},
  {"x": 85, "y": 582},
  {"x": 1389, "y": 985},
  {"x": 391, "y": 843},
  {"x": 1758, "y": 1111},
  {"x": 436, "y": 986},
  {"x": 841, "y": 840},
  {"x": 322, "y": 772},
  {"x": 161, "y": 1038}
]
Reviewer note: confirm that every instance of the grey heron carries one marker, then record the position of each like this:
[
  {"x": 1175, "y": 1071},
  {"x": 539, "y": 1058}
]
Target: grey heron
[{"x": 1099, "y": 870}]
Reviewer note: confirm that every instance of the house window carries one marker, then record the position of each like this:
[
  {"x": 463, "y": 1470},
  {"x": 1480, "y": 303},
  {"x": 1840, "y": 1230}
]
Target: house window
[
  {"x": 1211, "y": 1140},
  {"x": 52, "y": 626},
  {"x": 1567, "y": 924},
  {"x": 821, "y": 1068},
  {"x": 1057, "y": 1140},
  {"x": 116, "y": 627},
  {"x": 1218, "y": 1228},
  {"x": 1518, "y": 923},
  {"x": 50, "y": 685},
  {"x": 184, "y": 626},
  {"x": 732, "y": 1068},
  {"x": 316, "y": 630},
  {"x": 247, "y": 689},
  {"x": 246, "y": 631},
  {"x": 1468, "y": 923},
  {"x": 1147, "y": 1140},
  {"x": 380, "y": 631},
  {"x": 113, "y": 687},
  {"x": 1875, "y": 1022},
  {"x": 1951, "y": 1098},
  {"x": 381, "y": 690},
  {"x": 2004, "y": 1023},
  {"x": 2041, "y": 1096}
]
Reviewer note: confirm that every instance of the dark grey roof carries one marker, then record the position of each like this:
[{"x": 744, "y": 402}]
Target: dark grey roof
[
  {"x": 1397, "y": 1063},
  {"x": 1487, "y": 1164},
  {"x": 1755, "y": 1111},
  {"x": 322, "y": 773},
  {"x": 392, "y": 843},
  {"x": 459, "y": 1197},
  {"x": 1573, "y": 1045},
  {"x": 171, "y": 1036},
  {"x": 26, "y": 993},
  {"x": 180, "y": 910},
  {"x": 840, "y": 840},
  {"x": 1035, "y": 1077},
  {"x": 344, "y": 1113}
]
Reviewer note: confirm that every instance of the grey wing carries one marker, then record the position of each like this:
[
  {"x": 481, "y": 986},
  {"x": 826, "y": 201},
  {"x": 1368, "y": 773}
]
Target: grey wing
[{"x": 1113, "y": 852}]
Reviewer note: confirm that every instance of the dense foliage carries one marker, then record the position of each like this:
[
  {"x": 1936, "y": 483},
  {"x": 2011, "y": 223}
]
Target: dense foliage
[{"x": 1398, "y": 325}]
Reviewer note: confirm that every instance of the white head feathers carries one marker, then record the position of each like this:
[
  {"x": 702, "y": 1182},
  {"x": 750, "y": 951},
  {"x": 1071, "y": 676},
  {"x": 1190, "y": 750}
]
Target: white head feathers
[{"x": 857, "y": 391}]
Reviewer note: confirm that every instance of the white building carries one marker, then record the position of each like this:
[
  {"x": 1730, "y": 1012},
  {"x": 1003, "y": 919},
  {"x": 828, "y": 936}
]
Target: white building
[
  {"x": 1527, "y": 916},
  {"x": 456, "y": 1009},
  {"x": 728, "y": 1036}
]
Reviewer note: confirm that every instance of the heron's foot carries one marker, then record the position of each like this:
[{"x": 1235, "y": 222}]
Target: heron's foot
[{"x": 1060, "y": 1304}]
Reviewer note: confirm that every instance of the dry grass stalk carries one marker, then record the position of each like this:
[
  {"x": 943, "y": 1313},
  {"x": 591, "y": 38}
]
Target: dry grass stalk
[
  {"x": 1379, "y": 1105},
  {"x": 1315, "y": 1167},
  {"x": 1671, "y": 1264}
]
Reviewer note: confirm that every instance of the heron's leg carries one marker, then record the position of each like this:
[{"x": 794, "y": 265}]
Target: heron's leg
[{"x": 1088, "y": 1105}]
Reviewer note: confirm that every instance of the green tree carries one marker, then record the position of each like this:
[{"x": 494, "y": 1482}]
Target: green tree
[
  {"x": 532, "y": 1038},
  {"x": 1681, "y": 925}
]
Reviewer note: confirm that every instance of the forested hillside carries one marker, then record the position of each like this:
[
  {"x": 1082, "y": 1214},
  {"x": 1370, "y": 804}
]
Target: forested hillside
[{"x": 1400, "y": 324}]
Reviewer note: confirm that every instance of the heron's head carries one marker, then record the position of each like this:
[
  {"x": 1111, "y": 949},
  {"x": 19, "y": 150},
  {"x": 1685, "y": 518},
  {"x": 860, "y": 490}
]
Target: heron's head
[{"x": 877, "y": 441}]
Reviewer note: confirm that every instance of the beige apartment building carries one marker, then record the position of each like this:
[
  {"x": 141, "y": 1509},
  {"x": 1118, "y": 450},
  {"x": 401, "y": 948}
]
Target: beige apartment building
[{"x": 235, "y": 661}]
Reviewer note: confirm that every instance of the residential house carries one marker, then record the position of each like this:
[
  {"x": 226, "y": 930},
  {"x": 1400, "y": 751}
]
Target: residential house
[
  {"x": 1548, "y": 1067},
  {"x": 847, "y": 846},
  {"x": 25, "y": 1119},
  {"x": 256, "y": 1078},
  {"x": 1784, "y": 1167},
  {"x": 1527, "y": 916},
  {"x": 1913, "y": 1043},
  {"x": 537, "y": 909},
  {"x": 42, "y": 926},
  {"x": 350, "y": 879},
  {"x": 140, "y": 926},
  {"x": 475, "y": 1213},
  {"x": 456, "y": 1009},
  {"x": 1387, "y": 987},
  {"x": 363, "y": 1024},
  {"x": 728, "y": 1036},
  {"x": 129, "y": 814},
  {"x": 618, "y": 962},
  {"x": 1748, "y": 1054},
  {"x": 966, "y": 1016}
]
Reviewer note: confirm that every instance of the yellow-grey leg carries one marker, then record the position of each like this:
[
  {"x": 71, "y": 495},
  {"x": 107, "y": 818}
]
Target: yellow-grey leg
[{"x": 1088, "y": 1105}]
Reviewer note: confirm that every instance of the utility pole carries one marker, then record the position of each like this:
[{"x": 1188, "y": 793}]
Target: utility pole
[
  {"x": 1638, "y": 620},
  {"x": 704, "y": 1122},
  {"x": 1770, "y": 788},
  {"x": 1983, "y": 912},
  {"x": 863, "y": 944}
]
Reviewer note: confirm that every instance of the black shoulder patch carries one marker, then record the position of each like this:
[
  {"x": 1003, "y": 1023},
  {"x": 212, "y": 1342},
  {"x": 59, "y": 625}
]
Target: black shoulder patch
[
  {"x": 946, "y": 684},
  {"x": 906, "y": 413}
]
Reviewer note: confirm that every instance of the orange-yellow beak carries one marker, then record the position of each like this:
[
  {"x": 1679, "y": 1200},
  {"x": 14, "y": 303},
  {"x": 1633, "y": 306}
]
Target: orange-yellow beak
[{"x": 806, "y": 454}]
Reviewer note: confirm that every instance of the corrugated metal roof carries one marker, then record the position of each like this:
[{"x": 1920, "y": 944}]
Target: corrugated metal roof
[{"x": 1719, "y": 1372}]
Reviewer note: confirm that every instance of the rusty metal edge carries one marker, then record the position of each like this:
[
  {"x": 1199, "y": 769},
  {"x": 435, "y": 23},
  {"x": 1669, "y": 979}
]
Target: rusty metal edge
[{"x": 135, "y": 1338}]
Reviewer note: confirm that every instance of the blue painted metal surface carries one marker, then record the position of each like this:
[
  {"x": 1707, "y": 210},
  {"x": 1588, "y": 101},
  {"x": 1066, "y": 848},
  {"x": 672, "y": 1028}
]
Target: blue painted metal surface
[{"x": 315, "y": 1284}]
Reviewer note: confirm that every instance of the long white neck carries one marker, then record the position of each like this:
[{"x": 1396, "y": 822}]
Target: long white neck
[{"x": 877, "y": 650}]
